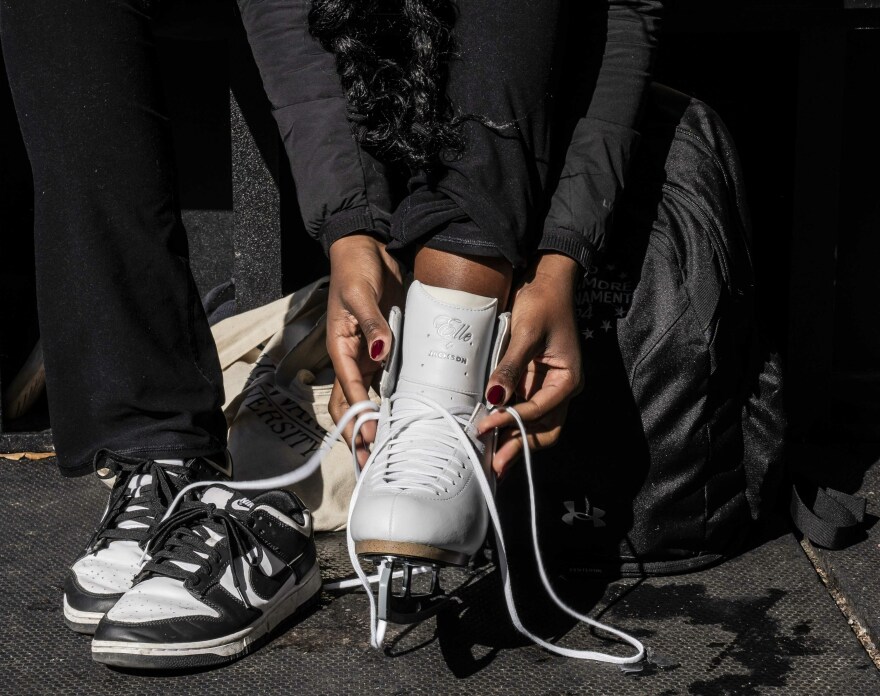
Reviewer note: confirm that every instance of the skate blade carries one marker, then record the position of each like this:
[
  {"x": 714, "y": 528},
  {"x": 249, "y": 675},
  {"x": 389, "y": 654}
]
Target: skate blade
[{"x": 407, "y": 606}]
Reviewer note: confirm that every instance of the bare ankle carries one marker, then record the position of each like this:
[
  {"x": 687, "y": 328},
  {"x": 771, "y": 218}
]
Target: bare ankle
[{"x": 488, "y": 276}]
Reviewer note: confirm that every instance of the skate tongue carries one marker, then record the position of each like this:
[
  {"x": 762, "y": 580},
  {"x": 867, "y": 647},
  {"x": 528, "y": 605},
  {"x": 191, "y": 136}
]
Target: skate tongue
[
  {"x": 226, "y": 499},
  {"x": 447, "y": 339}
]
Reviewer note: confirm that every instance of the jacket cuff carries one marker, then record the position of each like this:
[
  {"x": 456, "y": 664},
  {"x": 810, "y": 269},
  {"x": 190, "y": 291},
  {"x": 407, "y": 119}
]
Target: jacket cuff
[
  {"x": 348, "y": 222},
  {"x": 570, "y": 243}
]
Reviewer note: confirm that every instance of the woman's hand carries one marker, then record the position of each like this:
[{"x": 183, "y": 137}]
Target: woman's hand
[
  {"x": 365, "y": 282},
  {"x": 542, "y": 364}
]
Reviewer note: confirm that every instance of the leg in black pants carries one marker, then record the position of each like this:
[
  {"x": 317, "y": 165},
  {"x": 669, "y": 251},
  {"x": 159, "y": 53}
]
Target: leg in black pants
[
  {"x": 130, "y": 362},
  {"x": 489, "y": 201}
]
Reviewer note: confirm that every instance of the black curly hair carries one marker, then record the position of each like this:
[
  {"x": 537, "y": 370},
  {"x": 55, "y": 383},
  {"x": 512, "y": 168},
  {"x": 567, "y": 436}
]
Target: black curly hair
[{"x": 392, "y": 58}]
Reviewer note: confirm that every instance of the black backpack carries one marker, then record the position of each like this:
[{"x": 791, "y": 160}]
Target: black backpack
[{"x": 674, "y": 449}]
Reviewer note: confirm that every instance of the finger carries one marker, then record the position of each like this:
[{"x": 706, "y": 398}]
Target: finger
[
  {"x": 511, "y": 447},
  {"x": 377, "y": 333},
  {"x": 352, "y": 381},
  {"x": 496, "y": 419},
  {"x": 552, "y": 395},
  {"x": 543, "y": 402},
  {"x": 337, "y": 406},
  {"x": 506, "y": 455},
  {"x": 506, "y": 377},
  {"x": 354, "y": 371}
]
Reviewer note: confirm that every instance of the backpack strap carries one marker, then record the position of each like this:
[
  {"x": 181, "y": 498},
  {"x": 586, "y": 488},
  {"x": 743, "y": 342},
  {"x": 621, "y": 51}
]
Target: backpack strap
[{"x": 830, "y": 518}]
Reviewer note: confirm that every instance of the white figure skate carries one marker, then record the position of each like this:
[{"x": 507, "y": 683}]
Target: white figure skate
[{"x": 419, "y": 501}]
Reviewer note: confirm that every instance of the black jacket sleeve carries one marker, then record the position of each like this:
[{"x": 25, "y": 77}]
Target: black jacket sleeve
[
  {"x": 340, "y": 188},
  {"x": 616, "y": 54}
]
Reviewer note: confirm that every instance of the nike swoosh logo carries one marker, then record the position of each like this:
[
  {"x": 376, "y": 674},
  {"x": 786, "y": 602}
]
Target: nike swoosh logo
[{"x": 242, "y": 505}]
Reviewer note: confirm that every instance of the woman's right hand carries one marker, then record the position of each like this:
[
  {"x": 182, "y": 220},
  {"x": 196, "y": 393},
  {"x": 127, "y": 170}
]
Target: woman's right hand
[{"x": 365, "y": 282}]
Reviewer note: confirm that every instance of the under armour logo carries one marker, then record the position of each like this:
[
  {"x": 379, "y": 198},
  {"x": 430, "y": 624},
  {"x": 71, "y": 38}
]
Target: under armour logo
[{"x": 595, "y": 514}]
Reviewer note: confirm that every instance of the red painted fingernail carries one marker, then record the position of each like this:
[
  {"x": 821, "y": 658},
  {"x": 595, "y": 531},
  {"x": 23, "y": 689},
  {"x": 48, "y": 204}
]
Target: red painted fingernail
[
  {"x": 496, "y": 395},
  {"x": 377, "y": 348}
]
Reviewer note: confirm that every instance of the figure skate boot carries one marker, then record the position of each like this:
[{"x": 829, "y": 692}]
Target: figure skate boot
[{"x": 418, "y": 501}]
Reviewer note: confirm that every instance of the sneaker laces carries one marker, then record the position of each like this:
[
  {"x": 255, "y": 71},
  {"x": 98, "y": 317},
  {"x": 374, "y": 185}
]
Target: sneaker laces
[
  {"x": 138, "y": 505},
  {"x": 179, "y": 539},
  {"x": 359, "y": 412}
]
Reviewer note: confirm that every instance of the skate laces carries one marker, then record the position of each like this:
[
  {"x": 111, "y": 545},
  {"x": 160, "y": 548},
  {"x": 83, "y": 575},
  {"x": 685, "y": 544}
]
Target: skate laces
[
  {"x": 542, "y": 570},
  {"x": 419, "y": 450},
  {"x": 197, "y": 536}
]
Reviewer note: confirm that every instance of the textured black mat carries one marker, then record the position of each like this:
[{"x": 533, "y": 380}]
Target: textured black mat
[{"x": 759, "y": 624}]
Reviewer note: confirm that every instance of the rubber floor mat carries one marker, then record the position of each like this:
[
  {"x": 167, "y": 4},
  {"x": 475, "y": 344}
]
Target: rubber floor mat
[{"x": 760, "y": 623}]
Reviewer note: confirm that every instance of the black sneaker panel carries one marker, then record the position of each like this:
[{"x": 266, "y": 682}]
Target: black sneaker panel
[
  {"x": 306, "y": 561},
  {"x": 286, "y": 502},
  {"x": 82, "y": 600},
  {"x": 288, "y": 543},
  {"x": 266, "y": 587}
]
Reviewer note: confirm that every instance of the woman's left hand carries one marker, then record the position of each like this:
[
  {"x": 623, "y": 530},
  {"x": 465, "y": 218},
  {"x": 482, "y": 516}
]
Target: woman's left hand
[{"x": 542, "y": 364}]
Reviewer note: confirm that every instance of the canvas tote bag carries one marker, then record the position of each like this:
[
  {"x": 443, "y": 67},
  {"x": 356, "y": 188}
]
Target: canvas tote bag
[{"x": 278, "y": 378}]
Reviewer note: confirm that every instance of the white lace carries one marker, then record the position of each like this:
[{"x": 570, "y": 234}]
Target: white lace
[
  {"x": 419, "y": 451},
  {"x": 435, "y": 414}
]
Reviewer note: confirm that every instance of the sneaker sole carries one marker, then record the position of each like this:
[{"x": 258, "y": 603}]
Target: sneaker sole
[
  {"x": 81, "y": 621},
  {"x": 209, "y": 652},
  {"x": 417, "y": 552}
]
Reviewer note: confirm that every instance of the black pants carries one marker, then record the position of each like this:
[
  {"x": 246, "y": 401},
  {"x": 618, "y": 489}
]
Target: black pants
[
  {"x": 490, "y": 201},
  {"x": 130, "y": 362}
]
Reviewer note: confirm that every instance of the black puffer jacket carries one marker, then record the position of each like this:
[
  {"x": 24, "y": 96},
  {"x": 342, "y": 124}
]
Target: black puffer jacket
[{"x": 342, "y": 189}]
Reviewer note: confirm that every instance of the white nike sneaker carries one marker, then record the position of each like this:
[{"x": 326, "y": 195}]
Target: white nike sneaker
[
  {"x": 224, "y": 572},
  {"x": 141, "y": 493},
  {"x": 418, "y": 501}
]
